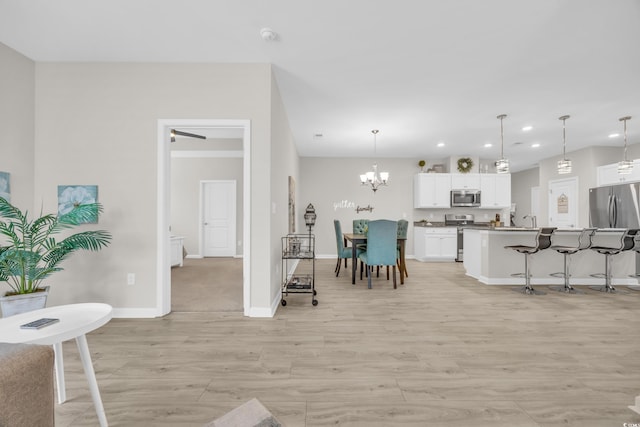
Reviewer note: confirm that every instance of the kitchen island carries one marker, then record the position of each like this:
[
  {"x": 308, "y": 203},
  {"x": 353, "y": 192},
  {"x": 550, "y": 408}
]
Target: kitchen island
[{"x": 487, "y": 260}]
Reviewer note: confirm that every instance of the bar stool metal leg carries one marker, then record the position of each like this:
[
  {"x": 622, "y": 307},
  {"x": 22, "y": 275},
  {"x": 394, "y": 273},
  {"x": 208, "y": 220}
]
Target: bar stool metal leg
[
  {"x": 608, "y": 287},
  {"x": 527, "y": 288},
  {"x": 567, "y": 288}
]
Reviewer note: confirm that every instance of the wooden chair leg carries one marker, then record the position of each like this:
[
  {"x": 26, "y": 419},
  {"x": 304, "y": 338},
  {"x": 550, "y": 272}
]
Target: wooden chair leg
[
  {"x": 370, "y": 270},
  {"x": 337, "y": 270},
  {"x": 395, "y": 285}
]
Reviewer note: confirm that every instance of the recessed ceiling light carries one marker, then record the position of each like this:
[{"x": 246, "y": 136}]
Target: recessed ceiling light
[
  {"x": 527, "y": 128},
  {"x": 488, "y": 145},
  {"x": 614, "y": 135},
  {"x": 440, "y": 144},
  {"x": 535, "y": 145}
]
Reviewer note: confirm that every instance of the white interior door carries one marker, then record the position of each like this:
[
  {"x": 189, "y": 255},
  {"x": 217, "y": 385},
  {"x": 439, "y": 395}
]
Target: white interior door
[
  {"x": 219, "y": 218},
  {"x": 563, "y": 203}
]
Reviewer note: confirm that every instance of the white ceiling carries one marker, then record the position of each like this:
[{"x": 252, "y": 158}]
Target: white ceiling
[{"x": 420, "y": 71}]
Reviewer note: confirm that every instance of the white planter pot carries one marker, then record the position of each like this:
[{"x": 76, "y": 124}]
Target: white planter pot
[{"x": 16, "y": 304}]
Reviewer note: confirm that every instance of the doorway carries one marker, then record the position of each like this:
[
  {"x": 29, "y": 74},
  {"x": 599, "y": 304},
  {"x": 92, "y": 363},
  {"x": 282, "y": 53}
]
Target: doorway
[
  {"x": 163, "y": 301},
  {"x": 563, "y": 203}
]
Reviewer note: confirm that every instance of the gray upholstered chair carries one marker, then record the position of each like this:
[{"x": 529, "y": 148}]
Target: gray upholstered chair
[{"x": 382, "y": 250}]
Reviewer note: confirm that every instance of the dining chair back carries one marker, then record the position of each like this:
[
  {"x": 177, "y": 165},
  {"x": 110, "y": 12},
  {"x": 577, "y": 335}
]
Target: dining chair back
[
  {"x": 360, "y": 226},
  {"x": 382, "y": 238}
]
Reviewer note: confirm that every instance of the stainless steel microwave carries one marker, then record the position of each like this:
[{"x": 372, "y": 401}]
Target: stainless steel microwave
[{"x": 465, "y": 198}]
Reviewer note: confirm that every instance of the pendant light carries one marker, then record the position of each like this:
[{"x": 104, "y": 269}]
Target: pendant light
[
  {"x": 564, "y": 165},
  {"x": 626, "y": 165},
  {"x": 374, "y": 178},
  {"x": 502, "y": 165}
]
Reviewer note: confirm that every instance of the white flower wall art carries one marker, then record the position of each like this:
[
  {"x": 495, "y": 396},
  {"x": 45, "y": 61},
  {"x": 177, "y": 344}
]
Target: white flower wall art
[{"x": 74, "y": 195}]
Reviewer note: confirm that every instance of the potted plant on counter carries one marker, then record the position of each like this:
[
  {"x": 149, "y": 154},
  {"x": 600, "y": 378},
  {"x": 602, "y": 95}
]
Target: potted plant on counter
[{"x": 30, "y": 252}]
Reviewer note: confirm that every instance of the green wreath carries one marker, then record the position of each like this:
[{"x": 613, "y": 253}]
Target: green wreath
[{"x": 465, "y": 164}]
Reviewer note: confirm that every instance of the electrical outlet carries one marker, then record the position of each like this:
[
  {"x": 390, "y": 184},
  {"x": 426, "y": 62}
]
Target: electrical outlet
[{"x": 131, "y": 279}]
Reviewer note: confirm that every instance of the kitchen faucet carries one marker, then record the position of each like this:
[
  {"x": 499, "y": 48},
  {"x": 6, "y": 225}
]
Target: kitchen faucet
[{"x": 534, "y": 223}]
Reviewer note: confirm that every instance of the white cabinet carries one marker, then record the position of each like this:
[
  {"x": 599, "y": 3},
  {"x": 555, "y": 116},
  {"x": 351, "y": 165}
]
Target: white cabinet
[
  {"x": 176, "y": 251},
  {"x": 608, "y": 174},
  {"x": 465, "y": 181},
  {"x": 431, "y": 190},
  {"x": 435, "y": 243},
  {"x": 495, "y": 190}
]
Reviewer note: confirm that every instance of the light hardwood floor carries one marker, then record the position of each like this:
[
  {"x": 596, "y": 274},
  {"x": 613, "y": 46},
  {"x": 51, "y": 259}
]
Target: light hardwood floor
[{"x": 442, "y": 350}]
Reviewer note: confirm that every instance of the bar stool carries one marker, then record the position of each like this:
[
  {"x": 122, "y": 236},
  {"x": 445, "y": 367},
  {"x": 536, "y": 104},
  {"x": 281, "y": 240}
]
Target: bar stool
[
  {"x": 636, "y": 248},
  {"x": 584, "y": 242},
  {"x": 543, "y": 241},
  {"x": 627, "y": 242}
]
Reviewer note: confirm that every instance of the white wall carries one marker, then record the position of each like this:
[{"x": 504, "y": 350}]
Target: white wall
[
  {"x": 96, "y": 124},
  {"x": 17, "y": 110},
  {"x": 521, "y": 184},
  {"x": 584, "y": 164},
  {"x": 284, "y": 163}
]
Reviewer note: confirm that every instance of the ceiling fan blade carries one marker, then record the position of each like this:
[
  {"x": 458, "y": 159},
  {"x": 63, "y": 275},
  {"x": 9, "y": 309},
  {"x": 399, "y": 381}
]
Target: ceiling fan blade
[{"x": 181, "y": 133}]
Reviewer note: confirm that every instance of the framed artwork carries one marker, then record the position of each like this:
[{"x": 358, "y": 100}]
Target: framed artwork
[
  {"x": 74, "y": 195},
  {"x": 292, "y": 205},
  {"x": 5, "y": 186}
]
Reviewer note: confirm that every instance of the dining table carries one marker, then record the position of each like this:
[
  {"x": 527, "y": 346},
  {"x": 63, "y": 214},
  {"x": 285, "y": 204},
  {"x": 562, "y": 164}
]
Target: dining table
[{"x": 361, "y": 239}]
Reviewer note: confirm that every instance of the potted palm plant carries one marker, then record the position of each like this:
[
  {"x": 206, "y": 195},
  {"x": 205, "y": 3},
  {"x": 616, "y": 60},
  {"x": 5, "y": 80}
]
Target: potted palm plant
[{"x": 30, "y": 252}]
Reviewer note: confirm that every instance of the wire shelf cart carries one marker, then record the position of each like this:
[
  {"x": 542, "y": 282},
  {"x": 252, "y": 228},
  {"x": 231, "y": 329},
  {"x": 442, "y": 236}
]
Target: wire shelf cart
[{"x": 297, "y": 277}]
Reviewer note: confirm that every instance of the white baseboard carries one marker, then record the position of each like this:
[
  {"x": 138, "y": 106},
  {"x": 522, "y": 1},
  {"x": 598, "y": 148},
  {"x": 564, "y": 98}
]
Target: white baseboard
[
  {"x": 135, "y": 313},
  {"x": 201, "y": 257}
]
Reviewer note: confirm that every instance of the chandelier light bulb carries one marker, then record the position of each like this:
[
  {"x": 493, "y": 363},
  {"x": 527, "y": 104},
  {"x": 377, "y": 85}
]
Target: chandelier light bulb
[{"x": 373, "y": 178}]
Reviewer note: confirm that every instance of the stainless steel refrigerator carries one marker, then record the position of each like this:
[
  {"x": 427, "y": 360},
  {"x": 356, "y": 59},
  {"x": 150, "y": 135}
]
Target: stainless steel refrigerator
[{"x": 615, "y": 206}]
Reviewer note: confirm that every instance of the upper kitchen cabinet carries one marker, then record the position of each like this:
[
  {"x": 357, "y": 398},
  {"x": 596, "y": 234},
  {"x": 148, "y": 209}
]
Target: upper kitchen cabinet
[
  {"x": 465, "y": 181},
  {"x": 495, "y": 190},
  {"x": 608, "y": 174},
  {"x": 431, "y": 190}
]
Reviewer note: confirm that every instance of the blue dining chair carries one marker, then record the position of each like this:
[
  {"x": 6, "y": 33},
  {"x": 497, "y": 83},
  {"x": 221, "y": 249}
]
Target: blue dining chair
[
  {"x": 382, "y": 250},
  {"x": 344, "y": 252}
]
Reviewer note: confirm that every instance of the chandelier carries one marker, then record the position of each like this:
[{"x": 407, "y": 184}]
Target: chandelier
[
  {"x": 626, "y": 165},
  {"x": 564, "y": 165},
  {"x": 502, "y": 164},
  {"x": 374, "y": 178}
]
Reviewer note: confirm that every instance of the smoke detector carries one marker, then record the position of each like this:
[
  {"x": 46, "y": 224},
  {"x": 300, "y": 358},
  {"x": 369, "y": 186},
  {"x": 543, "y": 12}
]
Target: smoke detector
[{"x": 268, "y": 34}]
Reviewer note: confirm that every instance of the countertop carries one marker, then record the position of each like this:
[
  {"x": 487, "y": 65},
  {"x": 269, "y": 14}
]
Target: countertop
[{"x": 479, "y": 225}]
